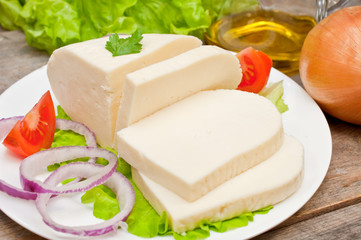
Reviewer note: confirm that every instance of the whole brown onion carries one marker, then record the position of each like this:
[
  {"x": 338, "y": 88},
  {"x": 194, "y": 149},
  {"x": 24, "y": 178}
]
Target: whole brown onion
[{"x": 330, "y": 64}]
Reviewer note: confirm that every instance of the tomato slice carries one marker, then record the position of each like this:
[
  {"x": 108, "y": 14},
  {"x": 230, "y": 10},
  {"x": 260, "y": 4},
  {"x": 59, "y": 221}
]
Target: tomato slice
[
  {"x": 35, "y": 131},
  {"x": 256, "y": 67}
]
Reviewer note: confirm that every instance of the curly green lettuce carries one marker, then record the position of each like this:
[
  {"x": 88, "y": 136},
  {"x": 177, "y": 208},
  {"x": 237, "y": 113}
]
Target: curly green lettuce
[{"x": 50, "y": 24}]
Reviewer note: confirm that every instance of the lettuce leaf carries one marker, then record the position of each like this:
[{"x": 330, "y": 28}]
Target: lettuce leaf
[
  {"x": 9, "y": 11},
  {"x": 274, "y": 92},
  {"x": 98, "y": 17},
  {"x": 144, "y": 221},
  {"x": 61, "y": 113},
  {"x": 222, "y": 226},
  {"x": 50, "y": 24},
  {"x": 221, "y": 8},
  {"x": 105, "y": 204}
]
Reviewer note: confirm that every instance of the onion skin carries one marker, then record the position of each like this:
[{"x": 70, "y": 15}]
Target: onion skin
[{"x": 330, "y": 64}]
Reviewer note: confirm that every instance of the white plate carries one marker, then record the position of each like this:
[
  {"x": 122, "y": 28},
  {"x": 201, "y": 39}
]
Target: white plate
[{"x": 304, "y": 120}]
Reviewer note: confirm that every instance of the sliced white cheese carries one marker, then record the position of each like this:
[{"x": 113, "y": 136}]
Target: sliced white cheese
[
  {"x": 198, "y": 143},
  {"x": 88, "y": 81},
  {"x": 152, "y": 88},
  {"x": 265, "y": 184}
]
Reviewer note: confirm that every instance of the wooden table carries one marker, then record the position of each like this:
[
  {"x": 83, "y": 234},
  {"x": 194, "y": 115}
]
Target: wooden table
[{"x": 334, "y": 212}]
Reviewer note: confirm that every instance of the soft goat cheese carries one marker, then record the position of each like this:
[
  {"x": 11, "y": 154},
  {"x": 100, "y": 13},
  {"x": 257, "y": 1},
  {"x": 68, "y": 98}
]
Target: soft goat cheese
[
  {"x": 88, "y": 81},
  {"x": 159, "y": 85},
  {"x": 202, "y": 141},
  {"x": 266, "y": 184}
]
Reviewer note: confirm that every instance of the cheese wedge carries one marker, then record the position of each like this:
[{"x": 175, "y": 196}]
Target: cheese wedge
[
  {"x": 266, "y": 184},
  {"x": 152, "y": 88},
  {"x": 88, "y": 81},
  {"x": 202, "y": 141}
]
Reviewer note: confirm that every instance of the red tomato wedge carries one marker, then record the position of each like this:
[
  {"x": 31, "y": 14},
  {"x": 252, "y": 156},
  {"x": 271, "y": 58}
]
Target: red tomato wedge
[
  {"x": 256, "y": 67},
  {"x": 35, "y": 131}
]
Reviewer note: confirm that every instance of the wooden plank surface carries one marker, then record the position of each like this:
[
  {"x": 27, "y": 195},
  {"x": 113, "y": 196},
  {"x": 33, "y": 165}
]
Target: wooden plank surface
[
  {"x": 343, "y": 223},
  {"x": 17, "y": 59},
  {"x": 334, "y": 212}
]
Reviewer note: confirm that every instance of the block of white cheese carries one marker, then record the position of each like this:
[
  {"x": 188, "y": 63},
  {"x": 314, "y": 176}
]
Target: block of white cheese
[
  {"x": 198, "y": 143},
  {"x": 152, "y": 88},
  {"x": 266, "y": 184},
  {"x": 88, "y": 81}
]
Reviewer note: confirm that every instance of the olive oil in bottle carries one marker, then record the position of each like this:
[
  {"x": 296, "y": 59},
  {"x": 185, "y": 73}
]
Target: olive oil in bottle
[{"x": 278, "y": 34}]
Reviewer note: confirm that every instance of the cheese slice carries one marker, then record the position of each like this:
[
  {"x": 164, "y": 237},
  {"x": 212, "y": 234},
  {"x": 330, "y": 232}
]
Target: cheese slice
[
  {"x": 200, "y": 142},
  {"x": 88, "y": 81},
  {"x": 266, "y": 184},
  {"x": 152, "y": 88}
]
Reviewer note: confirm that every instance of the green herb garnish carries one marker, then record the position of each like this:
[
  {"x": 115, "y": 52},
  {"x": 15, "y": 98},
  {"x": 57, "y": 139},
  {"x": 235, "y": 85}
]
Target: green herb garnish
[{"x": 122, "y": 46}]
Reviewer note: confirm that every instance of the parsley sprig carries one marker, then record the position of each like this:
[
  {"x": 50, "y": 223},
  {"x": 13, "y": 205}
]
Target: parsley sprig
[{"x": 121, "y": 46}]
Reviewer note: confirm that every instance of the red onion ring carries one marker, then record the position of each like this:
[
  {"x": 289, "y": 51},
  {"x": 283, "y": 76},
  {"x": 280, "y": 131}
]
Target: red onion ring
[
  {"x": 95, "y": 175},
  {"x": 6, "y": 124},
  {"x": 17, "y": 192},
  {"x": 31, "y": 166},
  {"x": 117, "y": 182},
  {"x": 63, "y": 124}
]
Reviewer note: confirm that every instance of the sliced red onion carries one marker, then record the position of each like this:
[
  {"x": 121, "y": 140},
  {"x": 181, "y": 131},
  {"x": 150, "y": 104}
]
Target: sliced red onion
[
  {"x": 117, "y": 182},
  {"x": 6, "y": 124},
  {"x": 95, "y": 175},
  {"x": 16, "y": 192},
  {"x": 34, "y": 164},
  {"x": 63, "y": 124}
]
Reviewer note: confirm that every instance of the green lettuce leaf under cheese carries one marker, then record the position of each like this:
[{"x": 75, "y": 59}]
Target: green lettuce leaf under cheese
[
  {"x": 61, "y": 113},
  {"x": 222, "y": 226},
  {"x": 50, "y": 24},
  {"x": 274, "y": 92},
  {"x": 144, "y": 221}
]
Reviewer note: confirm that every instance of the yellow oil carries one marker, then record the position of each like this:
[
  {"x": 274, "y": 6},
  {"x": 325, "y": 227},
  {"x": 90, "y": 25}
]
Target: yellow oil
[{"x": 278, "y": 34}]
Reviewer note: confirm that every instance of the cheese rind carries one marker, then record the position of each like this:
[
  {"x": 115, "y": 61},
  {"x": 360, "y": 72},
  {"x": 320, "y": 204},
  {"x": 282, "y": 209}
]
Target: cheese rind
[
  {"x": 266, "y": 184},
  {"x": 88, "y": 81},
  {"x": 152, "y": 88},
  {"x": 200, "y": 142}
]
